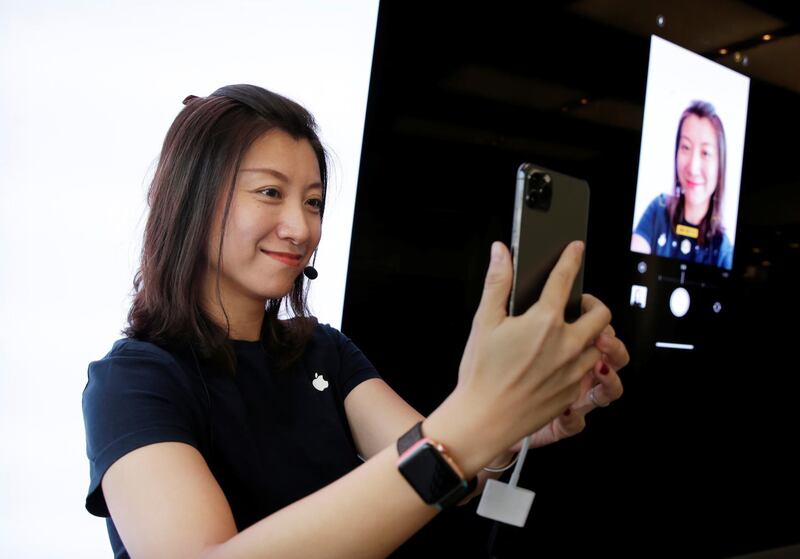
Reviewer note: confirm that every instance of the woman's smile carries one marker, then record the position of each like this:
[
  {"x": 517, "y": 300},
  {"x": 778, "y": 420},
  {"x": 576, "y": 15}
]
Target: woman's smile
[{"x": 285, "y": 257}]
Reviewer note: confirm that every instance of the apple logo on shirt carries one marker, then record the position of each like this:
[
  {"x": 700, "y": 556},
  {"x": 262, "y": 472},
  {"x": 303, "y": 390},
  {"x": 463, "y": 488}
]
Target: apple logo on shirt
[{"x": 319, "y": 382}]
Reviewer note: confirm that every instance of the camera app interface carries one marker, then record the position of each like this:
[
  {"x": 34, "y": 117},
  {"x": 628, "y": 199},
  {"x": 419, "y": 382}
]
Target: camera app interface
[{"x": 684, "y": 225}]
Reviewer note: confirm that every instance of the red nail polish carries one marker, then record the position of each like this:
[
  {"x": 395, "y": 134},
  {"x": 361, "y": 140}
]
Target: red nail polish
[
  {"x": 568, "y": 412},
  {"x": 604, "y": 369}
]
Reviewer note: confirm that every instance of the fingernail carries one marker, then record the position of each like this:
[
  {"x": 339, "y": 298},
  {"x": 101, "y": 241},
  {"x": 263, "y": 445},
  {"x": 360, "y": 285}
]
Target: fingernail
[
  {"x": 497, "y": 253},
  {"x": 579, "y": 247},
  {"x": 568, "y": 412},
  {"x": 604, "y": 369}
]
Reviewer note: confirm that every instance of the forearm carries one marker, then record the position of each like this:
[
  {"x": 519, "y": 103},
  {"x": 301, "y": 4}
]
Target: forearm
[{"x": 367, "y": 513}]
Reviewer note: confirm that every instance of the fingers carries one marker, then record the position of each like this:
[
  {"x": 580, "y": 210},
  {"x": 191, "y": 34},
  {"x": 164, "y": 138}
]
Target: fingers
[
  {"x": 573, "y": 421},
  {"x": 496, "y": 288},
  {"x": 608, "y": 387},
  {"x": 585, "y": 362},
  {"x": 607, "y": 342},
  {"x": 578, "y": 368},
  {"x": 590, "y": 301},
  {"x": 559, "y": 283},
  {"x": 594, "y": 321},
  {"x": 616, "y": 354},
  {"x": 567, "y": 425}
]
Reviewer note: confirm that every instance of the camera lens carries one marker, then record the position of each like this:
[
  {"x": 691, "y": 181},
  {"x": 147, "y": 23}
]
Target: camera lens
[{"x": 540, "y": 191}]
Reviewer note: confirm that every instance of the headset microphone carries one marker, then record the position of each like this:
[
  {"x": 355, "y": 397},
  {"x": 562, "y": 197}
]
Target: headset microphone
[{"x": 310, "y": 271}]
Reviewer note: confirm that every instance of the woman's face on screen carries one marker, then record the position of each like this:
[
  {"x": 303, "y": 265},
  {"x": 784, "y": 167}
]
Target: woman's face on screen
[{"x": 697, "y": 161}]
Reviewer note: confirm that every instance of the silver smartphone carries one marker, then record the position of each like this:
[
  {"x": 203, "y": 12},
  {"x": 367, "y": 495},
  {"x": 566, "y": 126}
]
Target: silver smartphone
[{"x": 551, "y": 210}]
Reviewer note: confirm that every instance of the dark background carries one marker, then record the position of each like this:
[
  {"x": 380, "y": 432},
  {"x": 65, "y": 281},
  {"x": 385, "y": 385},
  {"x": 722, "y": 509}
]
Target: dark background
[{"x": 698, "y": 457}]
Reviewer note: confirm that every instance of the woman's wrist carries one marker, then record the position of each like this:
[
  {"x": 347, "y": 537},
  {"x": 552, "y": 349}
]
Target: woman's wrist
[
  {"x": 502, "y": 463},
  {"x": 467, "y": 446}
]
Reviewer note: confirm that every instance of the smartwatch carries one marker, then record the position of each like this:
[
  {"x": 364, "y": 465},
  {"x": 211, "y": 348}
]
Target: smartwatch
[{"x": 426, "y": 466}]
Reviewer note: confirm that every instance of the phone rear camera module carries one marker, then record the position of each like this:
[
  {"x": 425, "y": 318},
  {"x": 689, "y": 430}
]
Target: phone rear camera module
[{"x": 539, "y": 191}]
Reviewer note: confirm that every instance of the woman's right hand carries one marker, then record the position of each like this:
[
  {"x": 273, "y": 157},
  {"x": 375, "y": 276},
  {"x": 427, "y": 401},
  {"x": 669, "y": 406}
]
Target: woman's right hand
[{"x": 518, "y": 372}]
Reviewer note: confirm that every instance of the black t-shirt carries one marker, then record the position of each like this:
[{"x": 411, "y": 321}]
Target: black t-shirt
[
  {"x": 655, "y": 228},
  {"x": 270, "y": 438}
]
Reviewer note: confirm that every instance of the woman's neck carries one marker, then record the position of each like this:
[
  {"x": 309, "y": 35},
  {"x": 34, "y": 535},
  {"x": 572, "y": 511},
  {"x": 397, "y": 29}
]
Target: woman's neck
[
  {"x": 243, "y": 316},
  {"x": 694, "y": 214},
  {"x": 246, "y": 328}
]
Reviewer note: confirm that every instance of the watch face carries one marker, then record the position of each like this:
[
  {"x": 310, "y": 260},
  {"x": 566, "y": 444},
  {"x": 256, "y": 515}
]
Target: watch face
[{"x": 430, "y": 474}]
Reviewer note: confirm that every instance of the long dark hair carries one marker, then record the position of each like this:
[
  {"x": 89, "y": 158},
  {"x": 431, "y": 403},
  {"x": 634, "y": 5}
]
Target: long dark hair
[
  {"x": 711, "y": 225},
  {"x": 198, "y": 165}
]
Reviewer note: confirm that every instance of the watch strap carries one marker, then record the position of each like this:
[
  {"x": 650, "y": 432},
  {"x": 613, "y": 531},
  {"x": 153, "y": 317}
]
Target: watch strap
[{"x": 409, "y": 438}]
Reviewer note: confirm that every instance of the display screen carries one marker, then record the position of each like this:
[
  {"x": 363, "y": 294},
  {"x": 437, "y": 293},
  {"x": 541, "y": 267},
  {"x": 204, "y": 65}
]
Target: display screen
[
  {"x": 428, "y": 472},
  {"x": 690, "y": 164},
  {"x": 687, "y": 192}
]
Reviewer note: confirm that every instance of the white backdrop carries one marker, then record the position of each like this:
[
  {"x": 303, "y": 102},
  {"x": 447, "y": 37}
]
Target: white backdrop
[{"x": 88, "y": 91}]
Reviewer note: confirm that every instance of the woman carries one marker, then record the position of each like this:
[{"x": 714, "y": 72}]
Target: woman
[
  {"x": 688, "y": 224},
  {"x": 214, "y": 429}
]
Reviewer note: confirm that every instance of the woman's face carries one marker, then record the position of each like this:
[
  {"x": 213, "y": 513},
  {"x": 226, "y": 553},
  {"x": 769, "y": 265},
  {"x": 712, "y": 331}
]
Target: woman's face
[
  {"x": 698, "y": 160},
  {"x": 274, "y": 224}
]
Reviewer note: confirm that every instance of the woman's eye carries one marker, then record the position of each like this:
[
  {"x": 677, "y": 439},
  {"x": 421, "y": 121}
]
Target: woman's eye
[
  {"x": 270, "y": 192},
  {"x": 315, "y": 203}
]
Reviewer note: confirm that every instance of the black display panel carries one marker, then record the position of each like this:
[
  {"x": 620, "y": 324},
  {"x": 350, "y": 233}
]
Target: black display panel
[
  {"x": 687, "y": 195},
  {"x": 459, "y": 97}
]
